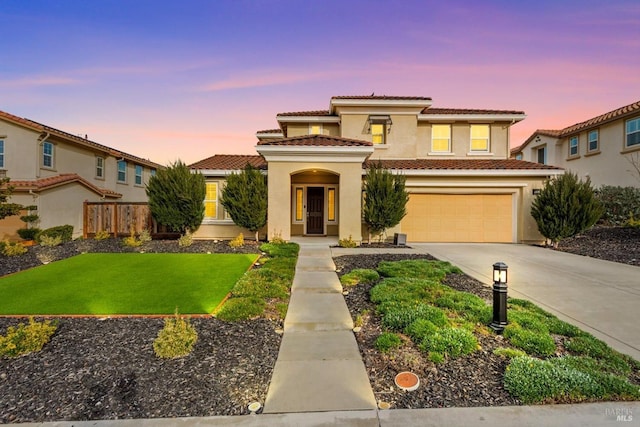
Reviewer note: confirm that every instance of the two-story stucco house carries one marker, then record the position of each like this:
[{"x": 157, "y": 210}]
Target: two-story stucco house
[
  {"x": 463, "y": 186},
  {"x": 57, "y": 171},
  {"x": 603, "y": 148}
]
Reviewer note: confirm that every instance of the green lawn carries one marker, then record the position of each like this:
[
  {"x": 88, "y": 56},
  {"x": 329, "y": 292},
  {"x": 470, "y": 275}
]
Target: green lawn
[{"x": 132, "y": 283}]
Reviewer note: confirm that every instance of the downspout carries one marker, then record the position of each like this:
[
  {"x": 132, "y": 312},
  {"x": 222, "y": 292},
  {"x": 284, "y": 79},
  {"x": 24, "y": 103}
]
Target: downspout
[{"x": 41, "y": 141}]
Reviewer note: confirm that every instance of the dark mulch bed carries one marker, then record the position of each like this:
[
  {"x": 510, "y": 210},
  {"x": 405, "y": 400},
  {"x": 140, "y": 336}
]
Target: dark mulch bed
[
  {"x": 474, "y": 380},
  {"x": 106, "y": 369},
  {"x": 618, "y": 244}
]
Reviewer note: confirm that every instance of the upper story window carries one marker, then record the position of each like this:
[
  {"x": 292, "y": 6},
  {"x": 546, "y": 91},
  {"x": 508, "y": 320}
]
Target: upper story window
[
  {"x": 379, "y": 126},
  {"x": 47, "y": 154},
  {"x": 593, "y": 140},
  {"x": 573, "y": 146},
  {"x": 441, "y": 138},
  {"x": 122, "y": 171},
  {"x": 152, "y": 172},
  {"x": 138, "y": 175},
  {"x": 1, "y": 154},
  {"x": 542, "y": 155},
  {"x": 315, "y": 129},
  {"x": 211, "y": 200},
  {"x": 632, "y": 133},
  {"x": 100, "y": 167},
  {"x": 519, "y": 156},
  {"x": 480, "y": 138}
]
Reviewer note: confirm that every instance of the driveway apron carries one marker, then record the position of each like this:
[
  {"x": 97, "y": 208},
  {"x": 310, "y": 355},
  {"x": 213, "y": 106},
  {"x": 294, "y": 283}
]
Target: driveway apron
[{"x": 319, "y": 367}]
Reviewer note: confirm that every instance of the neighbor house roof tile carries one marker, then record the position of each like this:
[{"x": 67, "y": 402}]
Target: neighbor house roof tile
[
  {"x": 46, "y": 183},
  {"x": 460, "y": 164},
  {"x": 230, "y": 162},
  {"x": 603, "y": 118},
  {"x": 317, "y": 141}
]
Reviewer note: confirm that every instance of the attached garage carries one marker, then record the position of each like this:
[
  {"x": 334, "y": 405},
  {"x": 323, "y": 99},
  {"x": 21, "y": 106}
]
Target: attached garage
[{"x": 459, "y": 218}]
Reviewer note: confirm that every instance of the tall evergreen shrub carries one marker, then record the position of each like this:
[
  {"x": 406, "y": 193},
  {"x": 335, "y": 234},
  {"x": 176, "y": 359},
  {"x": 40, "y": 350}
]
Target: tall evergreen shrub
[
  {"x": 245, "y": 198},
  {"x": 566, "y": 206},
  {"x": 7, "y": 209},
  {"x": 176, "y": 198},
  {"x": 385, "y": 199}
]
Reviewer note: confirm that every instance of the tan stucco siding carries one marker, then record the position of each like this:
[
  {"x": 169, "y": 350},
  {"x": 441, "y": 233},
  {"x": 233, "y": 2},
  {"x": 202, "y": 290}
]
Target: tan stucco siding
[
  {"x": 300, "y": 129},
  {"x": 20, "y": 158}
]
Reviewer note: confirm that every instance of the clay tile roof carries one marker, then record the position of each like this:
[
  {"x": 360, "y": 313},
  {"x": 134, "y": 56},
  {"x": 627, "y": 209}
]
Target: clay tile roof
[
  {"x": 461, "y": 164},
  {"x": 41, "y": 184},
  {"x": 306, "y": 113},
  {"x": 450, "y": 111},
  {"x": 230, "y": 162},
  {"x": 603, "y": 118},
  {"x": 384, "y": 97},
  {"x": 270, "y": 131},
  {"x": 317, "y": 141},
  {"x": 549, "y": 132}
]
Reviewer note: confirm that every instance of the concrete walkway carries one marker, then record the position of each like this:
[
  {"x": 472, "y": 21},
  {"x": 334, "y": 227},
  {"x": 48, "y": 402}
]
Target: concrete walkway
[{"x": 319, "y": 367}]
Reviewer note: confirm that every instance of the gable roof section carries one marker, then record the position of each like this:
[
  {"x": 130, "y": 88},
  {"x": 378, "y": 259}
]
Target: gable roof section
[
  {"x": 305, "y": 113},
  {"x": 39, "y": 127},
  {"x": 42, "y": 184},
  {"x": 467, "y": 111},
  {"x": 230, "y": 162},
  {"x": 316, "y": 141}
]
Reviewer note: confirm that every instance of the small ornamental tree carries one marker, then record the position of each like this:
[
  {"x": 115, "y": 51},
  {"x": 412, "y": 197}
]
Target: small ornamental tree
[
  {"x": 7, "y": 209},
  {"x": 385, "y": 199},
  {"x": 565, "y": 207},
  {"x": 176, "y": 198},
  {"x": 245, "y": 199}
]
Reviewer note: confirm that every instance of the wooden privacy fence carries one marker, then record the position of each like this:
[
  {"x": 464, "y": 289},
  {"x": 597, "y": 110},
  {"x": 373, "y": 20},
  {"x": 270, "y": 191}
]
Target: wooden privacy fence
[{"x": 116, "y": 218}]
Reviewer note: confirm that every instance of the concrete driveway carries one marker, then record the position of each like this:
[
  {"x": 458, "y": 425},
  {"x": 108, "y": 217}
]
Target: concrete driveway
[{"x": 600, "y": 297}]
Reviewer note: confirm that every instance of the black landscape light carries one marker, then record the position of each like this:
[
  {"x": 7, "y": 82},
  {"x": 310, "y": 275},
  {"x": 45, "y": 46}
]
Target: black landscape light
[{"x": 499, "y": 297}]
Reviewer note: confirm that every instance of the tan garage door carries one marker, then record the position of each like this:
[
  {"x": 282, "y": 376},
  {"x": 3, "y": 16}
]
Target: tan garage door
[{"x": 458, "y": 218}]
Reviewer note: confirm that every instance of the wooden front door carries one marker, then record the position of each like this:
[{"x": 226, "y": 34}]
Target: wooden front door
[{"x": 315, "y": 210}]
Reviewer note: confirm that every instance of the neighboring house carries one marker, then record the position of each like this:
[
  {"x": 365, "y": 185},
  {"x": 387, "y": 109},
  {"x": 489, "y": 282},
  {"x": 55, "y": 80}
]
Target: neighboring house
[
  {"x": 463, "y": 186},
  {"x": 57, "y": 171},
  {"x": 604, "y": 148}
]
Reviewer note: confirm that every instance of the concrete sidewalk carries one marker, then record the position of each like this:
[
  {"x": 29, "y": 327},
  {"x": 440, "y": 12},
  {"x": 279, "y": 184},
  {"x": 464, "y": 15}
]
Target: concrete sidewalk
[{"x": 319, "y": 367}]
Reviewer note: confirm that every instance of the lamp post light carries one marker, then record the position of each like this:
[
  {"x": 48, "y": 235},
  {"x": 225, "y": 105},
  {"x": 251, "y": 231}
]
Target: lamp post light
[{"x": 499, "y": 297}]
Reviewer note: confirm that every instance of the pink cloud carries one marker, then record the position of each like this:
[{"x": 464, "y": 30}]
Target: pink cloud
[{"x": 36, "y": 81}]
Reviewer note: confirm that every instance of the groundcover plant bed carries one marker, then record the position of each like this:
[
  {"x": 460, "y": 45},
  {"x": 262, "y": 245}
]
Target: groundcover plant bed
[
  {"x": 132, "y": 283},
  {"x": 438, "y": 317}
]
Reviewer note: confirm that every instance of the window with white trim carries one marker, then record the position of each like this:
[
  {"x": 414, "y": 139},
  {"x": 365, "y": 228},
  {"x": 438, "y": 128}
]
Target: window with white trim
[
  {"x": 632, "y": 133},
  {"x": 47, "y": 154},
  {"x": 441, "y": 138},
  {"x": 100, "y": 167},
  {"x": 122, "y": 171},
  {"x": 139, "y": 170},
  {"x": 574, "y": 145},
  {"x": 480, "y": 138},
  {"x": 593, "y": 140},
  {"x": 1, "y": 153},
  {"x": 378, "y": 133},
  {"x": 211, "y": 200}
]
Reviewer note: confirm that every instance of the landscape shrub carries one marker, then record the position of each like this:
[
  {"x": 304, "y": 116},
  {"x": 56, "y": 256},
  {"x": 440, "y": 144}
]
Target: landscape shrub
[
  {"x": 241, "y": 308},
  {"x": 64, "y": 231},
  {"x": 25, "y": 339},
  {"x": 406, "y": 289},
  {"x": 185, "y": 240},
  {"x": 238, "y": 242},
  {"x": 347, "y": 243},
  {"x": 13, "y": 249},
  {"x": 419, "y": 329},
  {"x": 102, "y": 235},
  {"x": 588, "y": 345},
  {"x": 469, "y": 306},
  {"x": 359, "y": 275},
  {"x": 399, "y": 316},
  {"x": 144, "y": 236},
  {"x": 388, "y": 341},
  {"x": 535, "y": 381},
  {"x": 29, "y": 233},
  {"x": 508, "y": 353},
  {"x": 131, "y": 241},
  {"x": 417, "y": 269},
  {"x": 532, "y": 342},
  {"x": 176, "y": 338},
  {"x": 50, "y": 241},
  {"x": 619, "y": 203},
  {"x": 450, "y": 342},
  {"x": 565, "y": 207}
]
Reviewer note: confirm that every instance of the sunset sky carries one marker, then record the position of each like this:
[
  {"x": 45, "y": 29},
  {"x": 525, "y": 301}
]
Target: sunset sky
[{"x": 190, "y": 79}]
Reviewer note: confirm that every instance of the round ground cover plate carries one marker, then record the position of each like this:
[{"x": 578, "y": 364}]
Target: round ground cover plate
[{"x": 407, "y": 381}]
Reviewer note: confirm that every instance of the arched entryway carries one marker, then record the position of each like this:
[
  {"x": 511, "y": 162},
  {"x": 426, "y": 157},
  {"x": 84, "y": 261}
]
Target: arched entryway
[{"x": 314, "y": 203}]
